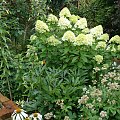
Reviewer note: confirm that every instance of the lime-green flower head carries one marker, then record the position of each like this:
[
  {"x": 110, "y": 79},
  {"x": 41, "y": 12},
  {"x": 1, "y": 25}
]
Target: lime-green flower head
[
  {"x": 97, "y": 31},
  {"x": 101, "y": 44},
  {"x": 41, "y": 27},
  {"x": 64, "y": 23},
  {"x": 69, "y": 36},
  {"x": 104, "y": 37},
  {"x": 52, "y": 18},
  {"x": 118, "y": 48},
  {"x": 65, "y": 12},
  {"x": 83, "y": 39},
  {"x": 53, "y": 41},
  {"x": 85, "y": 30},
  {"x": 74, "y": 18},
  {"x": 33, "y": 37},
  {"x": 115, "y": 39},
  {"x": 98, "y": 58},
  {"x": 81, "y": 24}
]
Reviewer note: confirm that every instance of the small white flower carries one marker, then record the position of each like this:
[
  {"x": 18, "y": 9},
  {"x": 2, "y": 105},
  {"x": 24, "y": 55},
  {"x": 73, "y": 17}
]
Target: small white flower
[
  {"x": 19, "y": 114},
  {"x": 103, "y": 114},
  {"x": 36, "y": 116}
]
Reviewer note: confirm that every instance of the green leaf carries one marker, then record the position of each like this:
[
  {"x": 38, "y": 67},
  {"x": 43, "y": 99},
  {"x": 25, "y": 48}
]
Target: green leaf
[{"x": 74, "y": 59}]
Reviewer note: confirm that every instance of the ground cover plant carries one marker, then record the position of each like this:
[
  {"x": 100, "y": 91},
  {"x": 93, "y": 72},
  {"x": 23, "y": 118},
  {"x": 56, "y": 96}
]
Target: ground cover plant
[{"x": 68, "y": 72}]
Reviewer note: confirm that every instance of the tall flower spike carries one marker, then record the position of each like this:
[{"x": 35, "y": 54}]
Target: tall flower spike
[
  {"x": 36, "y": 116},
  {"x": 19, "y": 114}
]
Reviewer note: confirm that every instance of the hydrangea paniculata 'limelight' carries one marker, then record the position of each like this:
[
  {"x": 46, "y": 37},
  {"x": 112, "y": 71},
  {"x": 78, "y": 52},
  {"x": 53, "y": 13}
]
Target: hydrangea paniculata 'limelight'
[
  {"x": 113, "y": 49},
  {"x": 98, "y": 58},
  {"x": 64, "y": 23},
  {"x": 115, "y": 39},
  {"x": 97, "y": 31},
  {"x": 65, "y": 12},
  {"x": 104, "y": 37},
  {"x": 52, "y": 18},
  {"x": 74, "y": 18},
  {"x": 85, "y": 30},
  {"x": 53, "y": 41},
  {"x": 19, "y": 114},
  {"x": 118, "y": 48},
  {"x": 33, "y": 37},
  {"x": 41, "y": 27},
  {"x": 36, "y": 116},
  {"x": 83, "y": 39},
  {"x": 101, "y": 44},
  {"x": 69, "y": 36},
  {"x": 82, "y": 23}
]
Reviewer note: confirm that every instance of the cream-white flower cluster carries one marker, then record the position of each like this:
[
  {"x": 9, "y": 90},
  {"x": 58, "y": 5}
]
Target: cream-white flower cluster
[
  {"x": 64, "y": 23},
  {"x": 104, "y": 37},
  {"x": 52, "y": 18},
  {"x": 41, "y": 27},
  {"x": 101, "y": 44},
  {"x": 83, "y": 99},
  {"x": 97, "y": 31},
  {"x": 60, "y": 103},
  {"x": 69, "y": 36},
  {"x": 83, "y": 39},
  {"x": 48, "y": 116},
  {"x": 53, "y": 41},
  {"x": 115, "y": 39},
  {"x": 81, "y": 24},
  {"x": 66, "y": 118},
  {"x": 65, "y": 12}
]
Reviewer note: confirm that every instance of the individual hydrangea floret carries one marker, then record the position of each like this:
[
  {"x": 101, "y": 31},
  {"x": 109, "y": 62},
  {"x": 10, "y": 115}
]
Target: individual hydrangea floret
[
  {"x": 113, "y": 49},
  {"x": 98, "y": 58},
  {"x": 101, "y": 44},
  {"x": 19, "y": 114},
  {"x": 36, "y": 116},
  {"x": 52, "y": 18},
  {"x": 74, "y": 18},
  {"x": 65, "y": 12},
  {"x": 115, "y": 39},
  {"x": 97, "y": 31},
  {"x": 69, "y": 36},
  {"x": 64, "y": 23},
  {"x": 41, "y": 27},
  {"x": 81, "y": 24},
  {"x": 104, "y": 37},
  {"x": 53, "y": 41}
]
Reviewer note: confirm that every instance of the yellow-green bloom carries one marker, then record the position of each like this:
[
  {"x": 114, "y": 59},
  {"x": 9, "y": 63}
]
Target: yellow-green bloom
[
  {"x": 52, "y": 18},
  {"x": 74, "y": 18},
  {"x": 69, "y": 36},
  {"x": 115, "y": 39},
  {"x": 98, "y": 58},
  {"x": 104, "y": 37},
  {"x": 64, "y": 23},
  {"x": 41, "y": 27},
  {"x": 97, "y": 31},
  {"x": 53, "y": 41},
  {"x": 82, "y": 23},
  {"x": 85, "y": 30},
  {"x": 33, "y": 37},
  {"x": 101, "y": 44},
  {"x": 65, "y": 12},
  {"x": 83, "y": 39},
  {"x": 113, "y": 49},
  {"x": 118, "y": 47}
]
